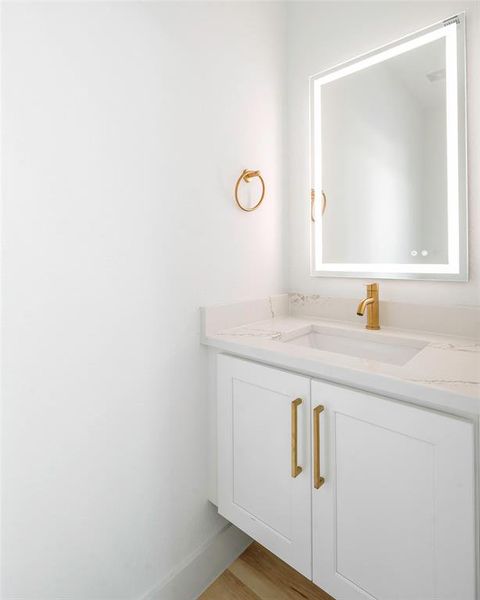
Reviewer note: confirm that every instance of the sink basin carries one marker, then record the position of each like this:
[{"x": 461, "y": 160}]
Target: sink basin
[{"x": 362, "y": 344}]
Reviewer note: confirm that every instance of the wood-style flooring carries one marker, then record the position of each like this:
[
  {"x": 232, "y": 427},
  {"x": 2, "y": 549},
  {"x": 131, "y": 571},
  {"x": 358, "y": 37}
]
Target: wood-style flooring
[{"x": 259, "y": 575}]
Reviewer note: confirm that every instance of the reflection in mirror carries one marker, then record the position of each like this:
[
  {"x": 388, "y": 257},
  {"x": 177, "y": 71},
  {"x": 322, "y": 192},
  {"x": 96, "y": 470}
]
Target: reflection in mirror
[
  {"x": 385, "y": 131},
  {"x": 386, "y": 154}
]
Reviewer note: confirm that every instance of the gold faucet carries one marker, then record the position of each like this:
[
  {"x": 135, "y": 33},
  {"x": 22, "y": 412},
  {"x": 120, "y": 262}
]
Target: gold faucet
[{"x": 371, "y": 303}]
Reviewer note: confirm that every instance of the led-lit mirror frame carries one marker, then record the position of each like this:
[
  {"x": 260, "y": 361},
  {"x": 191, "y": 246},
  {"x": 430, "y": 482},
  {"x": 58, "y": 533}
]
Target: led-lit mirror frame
[{"x": 453, "y": 30}]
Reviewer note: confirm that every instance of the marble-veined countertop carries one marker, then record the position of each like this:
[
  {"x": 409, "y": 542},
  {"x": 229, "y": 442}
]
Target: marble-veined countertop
[{"x": 445, "y": 373}]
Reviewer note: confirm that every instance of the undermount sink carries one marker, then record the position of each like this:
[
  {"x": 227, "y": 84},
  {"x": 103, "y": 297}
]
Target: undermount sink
[{"x": 384, "y": 348}]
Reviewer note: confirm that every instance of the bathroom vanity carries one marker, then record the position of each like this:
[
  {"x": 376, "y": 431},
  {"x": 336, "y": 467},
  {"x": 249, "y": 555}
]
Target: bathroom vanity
[{"x": 350, "y": 454}]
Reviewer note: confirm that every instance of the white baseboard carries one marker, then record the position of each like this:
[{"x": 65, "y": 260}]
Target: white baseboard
[{"x": 189, "y": 579}]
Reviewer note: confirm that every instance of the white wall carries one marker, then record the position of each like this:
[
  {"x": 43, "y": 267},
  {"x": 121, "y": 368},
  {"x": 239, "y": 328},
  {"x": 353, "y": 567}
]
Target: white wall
[
  {"x": 125, "y": 127},
  {"x": 322, "y": 34}
]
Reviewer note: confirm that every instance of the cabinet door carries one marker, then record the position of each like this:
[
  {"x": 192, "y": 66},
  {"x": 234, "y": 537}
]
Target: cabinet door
[
  {"x": 395, "y": 516},
  {"x": 257, "y": 489}
]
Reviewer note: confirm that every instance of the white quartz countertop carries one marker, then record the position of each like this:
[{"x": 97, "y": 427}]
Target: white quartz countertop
[{"x": 445, "y": 373}]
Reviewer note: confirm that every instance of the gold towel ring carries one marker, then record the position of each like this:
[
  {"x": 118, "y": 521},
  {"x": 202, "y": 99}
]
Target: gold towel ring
[{"x": 246, "y": 176}]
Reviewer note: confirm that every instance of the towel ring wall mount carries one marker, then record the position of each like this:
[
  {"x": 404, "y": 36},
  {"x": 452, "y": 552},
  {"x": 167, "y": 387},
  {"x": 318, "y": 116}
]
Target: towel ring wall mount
[{"x": 246, "y": 176}]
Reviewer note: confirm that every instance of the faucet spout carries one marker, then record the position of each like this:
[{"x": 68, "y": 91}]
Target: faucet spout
[
  {"x": 363, "y": 305},
  {"x": 371, "y": 305}
]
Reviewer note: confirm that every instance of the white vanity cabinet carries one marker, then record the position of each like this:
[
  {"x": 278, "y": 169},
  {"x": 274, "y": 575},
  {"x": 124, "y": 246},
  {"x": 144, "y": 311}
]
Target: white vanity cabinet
[
  {"x": 256, "y": 490},
  {"x": 395, "y": 518},
  {"x": 392, "y": 516}
]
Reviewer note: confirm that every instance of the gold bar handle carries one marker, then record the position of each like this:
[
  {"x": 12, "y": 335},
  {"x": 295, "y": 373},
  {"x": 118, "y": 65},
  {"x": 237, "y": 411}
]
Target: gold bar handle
[
  {"x": 318, "y": 480},
  {"x": 296, "y": 470}
]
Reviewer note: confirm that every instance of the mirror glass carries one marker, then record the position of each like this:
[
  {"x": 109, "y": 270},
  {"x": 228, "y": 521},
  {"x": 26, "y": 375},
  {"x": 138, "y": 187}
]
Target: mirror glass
[{"x": 388, "y": 161}]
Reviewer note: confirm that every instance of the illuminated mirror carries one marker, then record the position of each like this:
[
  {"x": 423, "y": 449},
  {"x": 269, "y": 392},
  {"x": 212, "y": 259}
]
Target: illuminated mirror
[{"x": 389, "y": 161}]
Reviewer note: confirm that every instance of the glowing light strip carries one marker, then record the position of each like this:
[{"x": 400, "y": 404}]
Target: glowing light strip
[
  {"x": 317, "y": 184},
  {"x": 452, "y": 146},
  {"x": 389, "y": 267},
  {"x": 379, "y": 57}
]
